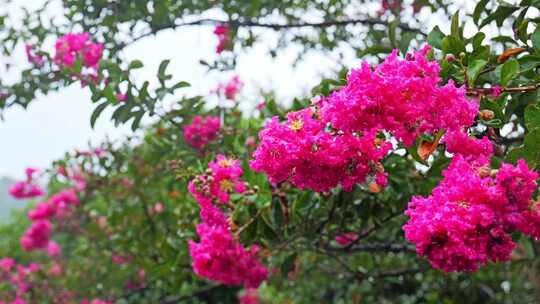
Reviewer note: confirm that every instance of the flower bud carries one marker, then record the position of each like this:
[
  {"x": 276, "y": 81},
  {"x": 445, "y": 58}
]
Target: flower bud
[{"x": 486, "y": 115}]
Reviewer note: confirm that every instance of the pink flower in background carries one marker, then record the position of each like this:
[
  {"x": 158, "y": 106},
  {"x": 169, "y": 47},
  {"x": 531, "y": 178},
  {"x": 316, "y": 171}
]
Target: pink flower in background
[
  {"x": 92, "y": 54},
  {"x": 202, "y": 131},
  {"x": 43, "y": 211},
  {"x": 121, "y": 259},
  {"x": 261, "y": 105},
  {"x": 231, "y": 88},
  {"x": 121, "y": 97},
  {"x": 391, "y": 5},
  {"x": 249, "y": 296},
  {"x": 73, "y": 46},
  {"x": 99, "y": 152},
  {"x": 222, "y": 33},
  {"x": 159, "y": 207},
  {"x": 26, "y": 189},
  {"x": 33, "y": 57},
  {"x": 37, "y": 236},
  {"x": 6, "y": 264},
  {"x": 55, "y": 269},
  {"x": 346, "y": 239},
  {"x": 53, "y": 249}
]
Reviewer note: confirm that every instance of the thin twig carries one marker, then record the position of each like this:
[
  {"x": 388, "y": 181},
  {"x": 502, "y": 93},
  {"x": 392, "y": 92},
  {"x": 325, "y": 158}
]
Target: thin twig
[{"x": 277, "y": 26}]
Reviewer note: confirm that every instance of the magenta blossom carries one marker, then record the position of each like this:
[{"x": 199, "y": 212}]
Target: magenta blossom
[
  {"x": 202, "y": 131},
  {"x": 222, "y": 33}
]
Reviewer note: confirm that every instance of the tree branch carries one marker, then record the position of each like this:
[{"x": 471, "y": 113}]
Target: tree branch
[
  {"x": 374, "y": 247},
  {"x": 276, "y": 26}
]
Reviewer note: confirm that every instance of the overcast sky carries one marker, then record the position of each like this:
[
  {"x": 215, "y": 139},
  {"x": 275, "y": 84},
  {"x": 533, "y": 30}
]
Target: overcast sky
[{"x": 59, "y": 122}]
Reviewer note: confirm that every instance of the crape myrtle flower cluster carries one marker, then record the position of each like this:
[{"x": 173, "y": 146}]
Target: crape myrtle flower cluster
[
  {"x": 70, "y": 49},
  {"x": 230, "y": 89},
  {"x": 77, "y": 46},
  {"x": 27, "y": 188},
  {"x": 218, "y": 255},
  {"x": 343, "y": 138},
  {"x": 201, "y": 131},
  {"x": 20, "y": 282},
  {"x": 470, "y": 216},
  {"x": 57, "y": 207}
]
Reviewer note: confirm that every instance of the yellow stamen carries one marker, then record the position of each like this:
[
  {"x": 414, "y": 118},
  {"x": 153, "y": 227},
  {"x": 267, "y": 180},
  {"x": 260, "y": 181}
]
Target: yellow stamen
[
  {"x": 226, "y": 185},
  {"x": 296, "y": 125}
]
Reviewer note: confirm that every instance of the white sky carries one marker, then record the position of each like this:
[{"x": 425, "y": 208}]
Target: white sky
[{"x": 59, "y": 122}]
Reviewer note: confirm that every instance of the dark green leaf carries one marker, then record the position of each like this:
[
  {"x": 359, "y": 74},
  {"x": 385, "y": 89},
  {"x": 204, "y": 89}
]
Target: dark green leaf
[
  {"x": 474, "y": 70},
  {"x": 509, "y": 71},
  {"x": 97, "y": 111}
]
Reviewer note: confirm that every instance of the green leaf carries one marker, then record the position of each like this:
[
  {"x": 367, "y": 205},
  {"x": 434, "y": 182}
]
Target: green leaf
[
  {"x": 137, "y": 120},
  {"x": 435, "y": 38},
  {"x": 514, "y": 154},
  {"x": 480, "y": 7},
  {"x": 288, "y": 264},
  {"x": 532, "y": 117},
  {"x": 97, "y": 111},
  {"x": 406, "y": 39},
  {"x": 499, "y": 15},
  {"x": 535, "y": 38},
  {"x": 532, "y": 147},
  {"x": 453, "y": 45},
  {"x": 162, "y": 69},
  {"x": 509, "y": 71},
  {"x": 181, "y": 84},
  {"x": 454, "y": 27},
  {"x": 474, "y": 70},
  {"x": 477, "y": 40},
  {"x": 135, "y": 64}
]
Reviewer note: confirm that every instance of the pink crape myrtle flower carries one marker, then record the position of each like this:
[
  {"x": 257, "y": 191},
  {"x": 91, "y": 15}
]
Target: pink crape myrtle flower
[
  {"x": 122, "y": 97},
  {"x": 303, "y": 151},
  {"x": 24, "y": 190},
  {"x": 121, "y": 259},
  {"x": 55, "y": 269},
  {"x": 73, "y": 46},
  {"x": 53, "y": 249},
  {"x": 469, "y": 147},
  {"x": 202, "y": 131},
  {"x": 223, "y": 180},
  {"x": 220, "y": 257},
  {"x": 346, "y": 239},
  {"x": 230, "y": 89},
  {"x": 7, "y": 264},
  {"x": 469, "y": 217},
  {"x": 222, "y": 33},
  {"x": 403, "y": 97},
  {"x": 28, "y": 188},
  {"x": 389, "y": 5},
  {"x": 37, "y": 236},
  {"x": 249, "y": 296},
  {"x": 496, "y": 91}
]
